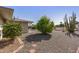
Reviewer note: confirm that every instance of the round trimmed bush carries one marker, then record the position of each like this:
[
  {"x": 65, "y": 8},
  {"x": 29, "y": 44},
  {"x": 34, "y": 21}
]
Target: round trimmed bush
[{"x": 44, "y": 25}]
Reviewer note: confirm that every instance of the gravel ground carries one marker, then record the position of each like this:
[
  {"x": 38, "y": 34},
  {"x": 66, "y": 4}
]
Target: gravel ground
[
  {"x": 58, "y": 42},
  {"x": 9, "y": 48}
]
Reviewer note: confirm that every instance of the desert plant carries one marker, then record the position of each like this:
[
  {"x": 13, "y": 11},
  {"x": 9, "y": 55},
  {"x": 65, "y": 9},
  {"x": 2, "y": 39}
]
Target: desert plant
[
  {"x": 10, "y": 30},
  {"x": 44, "y": 25},
  {"x": 70, "y": 23}
]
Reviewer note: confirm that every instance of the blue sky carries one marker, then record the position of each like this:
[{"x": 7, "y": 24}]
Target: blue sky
[{"x": 55, "y": 13}]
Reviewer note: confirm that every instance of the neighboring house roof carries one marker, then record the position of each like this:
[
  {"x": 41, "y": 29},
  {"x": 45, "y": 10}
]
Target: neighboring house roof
[
  {"x": 21, "y": 20},
  {"x": 7, "y": 14}
]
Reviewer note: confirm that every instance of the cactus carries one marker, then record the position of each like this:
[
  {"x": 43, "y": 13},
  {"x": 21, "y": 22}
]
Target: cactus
[{"x": 70, "y": 23}]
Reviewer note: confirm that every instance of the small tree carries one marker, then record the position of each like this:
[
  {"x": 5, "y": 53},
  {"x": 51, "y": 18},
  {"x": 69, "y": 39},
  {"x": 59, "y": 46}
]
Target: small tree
[
  {"x": 44, "y": 25},
  {"x": 10, "y": 30},
  {"x": 71, "y": 23},
  {"x": 61, "y": 24}
]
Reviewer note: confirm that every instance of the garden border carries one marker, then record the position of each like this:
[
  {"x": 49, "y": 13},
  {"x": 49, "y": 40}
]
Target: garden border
[{"x": 19, "y": 48}]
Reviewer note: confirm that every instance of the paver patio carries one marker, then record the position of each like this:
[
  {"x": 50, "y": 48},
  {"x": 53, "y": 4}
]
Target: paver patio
[{"x": 59, "y": 42}]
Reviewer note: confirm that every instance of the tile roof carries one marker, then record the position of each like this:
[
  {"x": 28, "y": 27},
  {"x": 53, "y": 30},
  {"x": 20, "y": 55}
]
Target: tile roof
[{"x": 22, "y": 20}]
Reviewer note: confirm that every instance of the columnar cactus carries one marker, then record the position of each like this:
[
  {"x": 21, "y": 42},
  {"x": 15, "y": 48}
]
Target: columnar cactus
[{"x": 70, "y": 23}]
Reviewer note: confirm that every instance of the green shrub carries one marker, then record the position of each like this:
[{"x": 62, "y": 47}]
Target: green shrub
[
  {"x": 44, "y": 25},
  {"x": 11, "y": 30},
  {"x": 34, "y": 26},
  {"x": 70, "y": 23}
]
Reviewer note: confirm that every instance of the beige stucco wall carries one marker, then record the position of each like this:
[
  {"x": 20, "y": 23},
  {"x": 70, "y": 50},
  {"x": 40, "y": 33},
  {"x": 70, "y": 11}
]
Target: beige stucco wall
[
  {"x": 24, "y": 26},
  {"x": 77, "y": 26},
  {"x": 1, "y": 21},
  {"x": 6, "y": 12}
]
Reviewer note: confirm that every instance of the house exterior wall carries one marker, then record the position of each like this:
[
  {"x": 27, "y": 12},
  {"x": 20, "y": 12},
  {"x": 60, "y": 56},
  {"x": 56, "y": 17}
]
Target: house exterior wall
[
  {"x": 24, "y": 26},
  {"x": 1, "y": 22},
  {"x": 77, "y": 26},
  {"x": 7, "y": 13},
  {"x": 30, "y": 25}
]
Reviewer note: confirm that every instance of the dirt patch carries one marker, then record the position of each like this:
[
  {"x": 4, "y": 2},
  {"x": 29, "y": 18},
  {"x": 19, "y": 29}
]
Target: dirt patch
[{"x": 10, "y": 46}]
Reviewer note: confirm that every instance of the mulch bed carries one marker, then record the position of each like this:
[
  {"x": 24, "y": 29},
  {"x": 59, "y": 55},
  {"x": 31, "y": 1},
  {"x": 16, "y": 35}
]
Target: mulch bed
[{"x": 8, "y": 46}]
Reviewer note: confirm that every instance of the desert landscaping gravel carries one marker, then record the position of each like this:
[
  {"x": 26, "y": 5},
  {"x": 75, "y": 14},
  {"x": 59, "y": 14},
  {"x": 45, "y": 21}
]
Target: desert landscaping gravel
[{"x": 59, "y": 42}]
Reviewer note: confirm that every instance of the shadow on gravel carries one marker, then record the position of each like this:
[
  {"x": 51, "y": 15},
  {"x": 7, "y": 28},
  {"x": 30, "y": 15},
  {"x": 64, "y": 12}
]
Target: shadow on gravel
[
  {"x": 68, "y": 34},
  {"x": 75, "y": 34},
  {"x": 37, "y": 37},
  {"x": 72, "y": 34}
]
